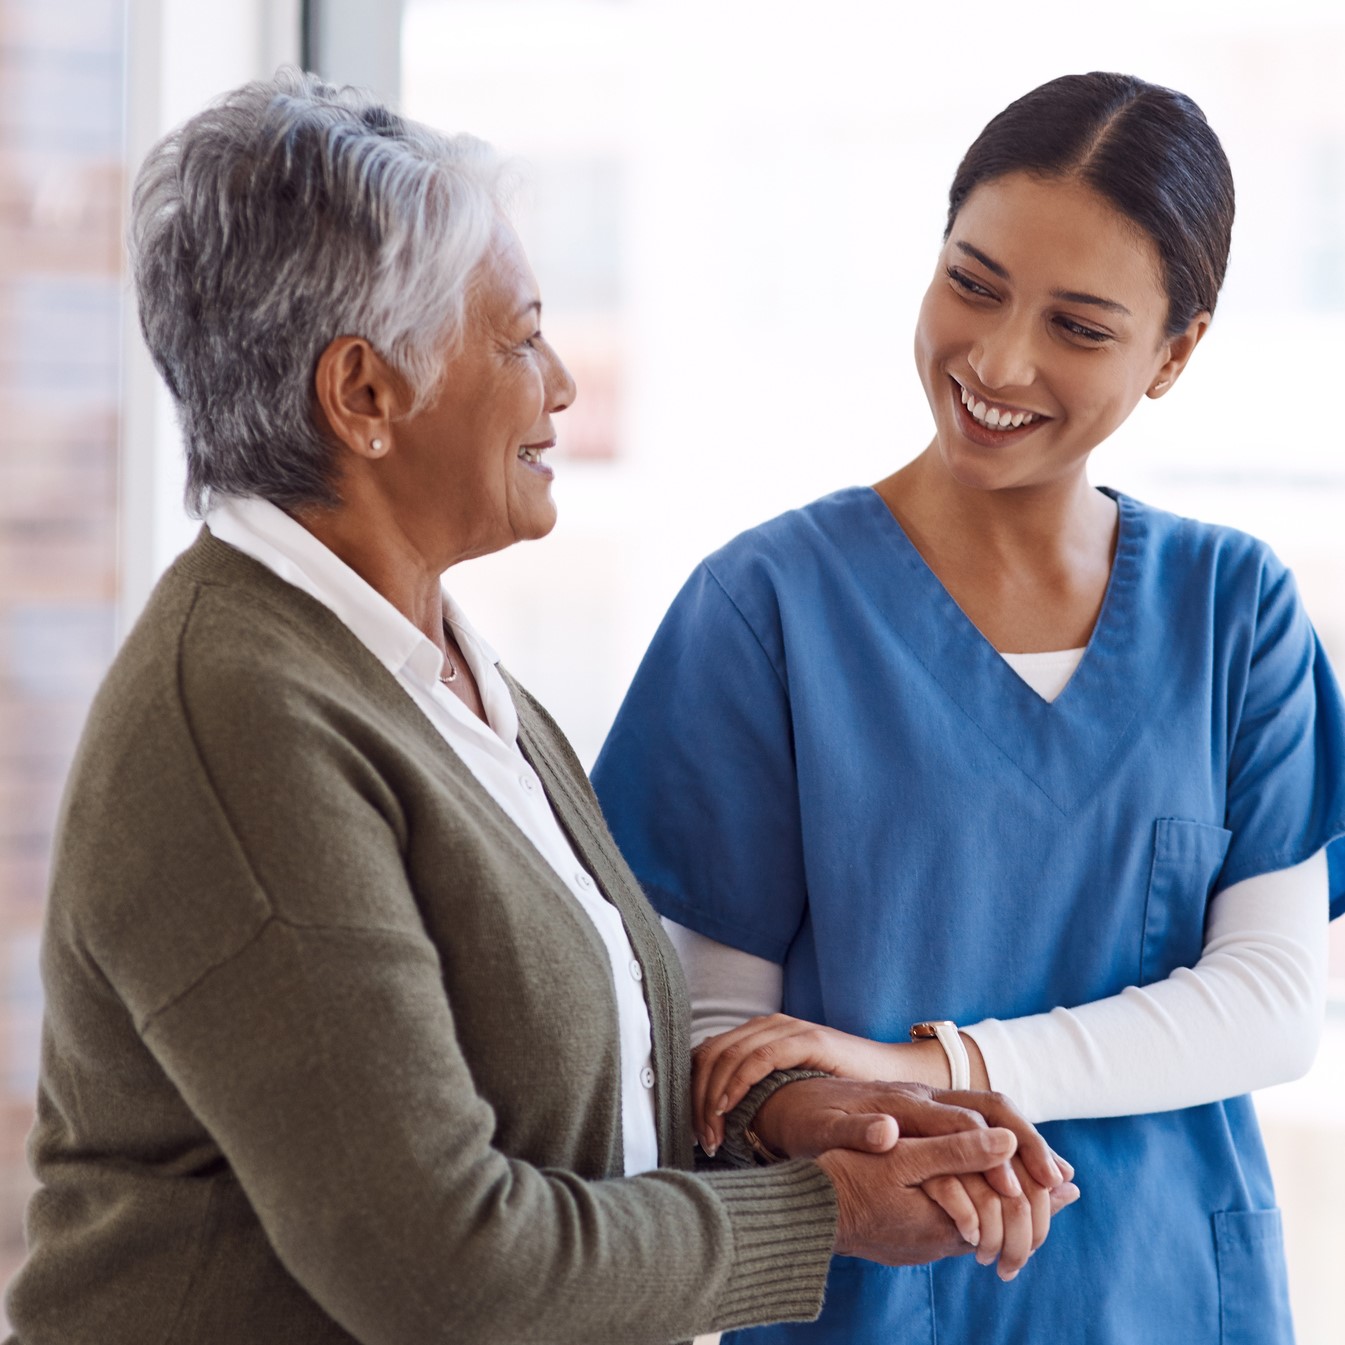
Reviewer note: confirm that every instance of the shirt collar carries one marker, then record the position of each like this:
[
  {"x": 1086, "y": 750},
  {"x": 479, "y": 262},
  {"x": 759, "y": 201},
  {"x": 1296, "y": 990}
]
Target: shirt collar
[{"x": 266, "y": 533}]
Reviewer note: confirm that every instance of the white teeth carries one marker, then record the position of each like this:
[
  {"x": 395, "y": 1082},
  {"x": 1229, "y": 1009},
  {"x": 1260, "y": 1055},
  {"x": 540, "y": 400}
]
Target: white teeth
[
  {"x": 992, "y": 417},
  {"x": 530, "y": 454}
]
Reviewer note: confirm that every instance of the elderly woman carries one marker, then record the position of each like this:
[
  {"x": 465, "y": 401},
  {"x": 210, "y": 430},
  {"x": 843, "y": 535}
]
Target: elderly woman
[{"x": 358, "y": 1027}]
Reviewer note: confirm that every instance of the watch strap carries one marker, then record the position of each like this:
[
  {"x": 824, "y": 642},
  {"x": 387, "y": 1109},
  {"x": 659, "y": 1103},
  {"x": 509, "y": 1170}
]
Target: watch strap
[{"x": 944, "y": 1031}]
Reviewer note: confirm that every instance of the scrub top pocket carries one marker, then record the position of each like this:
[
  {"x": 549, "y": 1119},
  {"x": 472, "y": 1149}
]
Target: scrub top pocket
[
  {"x": 1186, "y": 861},
  {"x": 1253, "y": 1286}
]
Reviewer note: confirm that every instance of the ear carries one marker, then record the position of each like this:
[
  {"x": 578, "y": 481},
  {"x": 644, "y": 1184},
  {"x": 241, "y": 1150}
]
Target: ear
[
  {"x": 358, "y": 396},
  {"x": 1176, "y": 351}
]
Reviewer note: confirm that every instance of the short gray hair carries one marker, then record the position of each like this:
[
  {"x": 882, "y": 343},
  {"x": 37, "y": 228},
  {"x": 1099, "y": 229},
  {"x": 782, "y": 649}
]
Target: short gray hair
[{"x": 286, "y": 214}]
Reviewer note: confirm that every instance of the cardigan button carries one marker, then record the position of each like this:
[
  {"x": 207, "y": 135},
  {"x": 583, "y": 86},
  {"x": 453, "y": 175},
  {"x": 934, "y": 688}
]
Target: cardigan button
[
  {"x": 583, "y": 880},
  {"x": 636, "y": 970}
]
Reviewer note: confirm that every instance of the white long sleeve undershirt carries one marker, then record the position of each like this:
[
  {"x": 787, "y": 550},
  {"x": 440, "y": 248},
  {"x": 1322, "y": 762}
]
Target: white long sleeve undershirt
[{"x": 1249, "y": 1013}]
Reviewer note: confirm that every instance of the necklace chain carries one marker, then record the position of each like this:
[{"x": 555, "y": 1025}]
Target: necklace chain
[{"x": 452, "y": 674}]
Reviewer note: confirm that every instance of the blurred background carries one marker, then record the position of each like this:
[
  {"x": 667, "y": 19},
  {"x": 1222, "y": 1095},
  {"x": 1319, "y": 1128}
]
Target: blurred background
[{"x": 733, "y": 209}]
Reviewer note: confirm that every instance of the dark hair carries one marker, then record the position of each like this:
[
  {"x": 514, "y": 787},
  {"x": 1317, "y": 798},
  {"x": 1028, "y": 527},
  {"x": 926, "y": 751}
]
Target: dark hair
[{"x": 1146, "y": 149}]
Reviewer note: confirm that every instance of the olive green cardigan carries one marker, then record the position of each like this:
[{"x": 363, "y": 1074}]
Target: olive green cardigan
[{"x": 329, "y": 1052}]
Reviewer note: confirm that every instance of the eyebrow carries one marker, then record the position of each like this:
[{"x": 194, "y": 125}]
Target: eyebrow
[
  {"x": 1072, "y": 297},
  {"x": 527, "y": 308},
  {"x": 1069, "y": 296},
  {"x": 992, "y": 266}
]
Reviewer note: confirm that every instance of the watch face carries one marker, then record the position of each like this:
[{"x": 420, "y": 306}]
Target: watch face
[{"x": 922, "y": 1031}]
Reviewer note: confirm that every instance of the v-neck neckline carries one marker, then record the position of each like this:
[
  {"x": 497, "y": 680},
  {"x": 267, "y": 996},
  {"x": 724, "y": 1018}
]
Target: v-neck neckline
[{"x": 1063, "y": 746}]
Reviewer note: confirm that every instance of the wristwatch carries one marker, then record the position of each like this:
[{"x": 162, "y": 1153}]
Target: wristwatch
[{"x": 944, "y": 1031}]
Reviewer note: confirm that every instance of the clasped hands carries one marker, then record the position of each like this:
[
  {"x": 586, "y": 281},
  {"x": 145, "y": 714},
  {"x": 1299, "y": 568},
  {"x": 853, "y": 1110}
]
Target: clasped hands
[{"x": 920, "y": 1172}]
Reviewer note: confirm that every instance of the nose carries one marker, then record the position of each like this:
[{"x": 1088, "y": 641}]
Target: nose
[
  {"x": 560, "y": 385},
  {"x": 1002, "y": 356}
]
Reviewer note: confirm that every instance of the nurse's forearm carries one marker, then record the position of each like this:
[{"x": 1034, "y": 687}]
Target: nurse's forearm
[
  {"x": 728, "y": 987},
  {"x": 1247, "y": 1015}
]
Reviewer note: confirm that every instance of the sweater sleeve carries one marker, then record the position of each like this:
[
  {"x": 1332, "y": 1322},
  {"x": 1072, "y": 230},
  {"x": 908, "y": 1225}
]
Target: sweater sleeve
[{"x": 348, "y": 1115}]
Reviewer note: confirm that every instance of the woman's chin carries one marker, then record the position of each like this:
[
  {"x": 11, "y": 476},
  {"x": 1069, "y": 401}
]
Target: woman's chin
[
  {"x": 978, "y": 471},
  {"x": 535, "y": 522}
]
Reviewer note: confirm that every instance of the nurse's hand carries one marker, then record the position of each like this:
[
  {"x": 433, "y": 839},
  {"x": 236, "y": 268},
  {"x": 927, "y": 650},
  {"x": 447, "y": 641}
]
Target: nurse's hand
[
  {"x": 725, "y": 1067},
  {"x": 1001, "y": 1229},
  {"x": 1003, "y": 1211}
]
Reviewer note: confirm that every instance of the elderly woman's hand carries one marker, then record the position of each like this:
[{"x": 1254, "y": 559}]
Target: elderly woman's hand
[{"x": 1002, "y": 1208}]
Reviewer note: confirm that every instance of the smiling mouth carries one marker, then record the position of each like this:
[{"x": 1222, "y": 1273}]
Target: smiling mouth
[
  {"x": 533, "y": 452},
  {"x": 993, "y": 416}
]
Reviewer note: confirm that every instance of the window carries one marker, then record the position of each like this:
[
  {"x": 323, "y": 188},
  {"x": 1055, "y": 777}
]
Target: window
[{"x": 61, "y": 188}]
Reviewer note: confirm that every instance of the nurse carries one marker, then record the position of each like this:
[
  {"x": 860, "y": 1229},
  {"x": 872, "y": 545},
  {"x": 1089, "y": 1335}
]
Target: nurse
[{"x": 1043, "y": 769}]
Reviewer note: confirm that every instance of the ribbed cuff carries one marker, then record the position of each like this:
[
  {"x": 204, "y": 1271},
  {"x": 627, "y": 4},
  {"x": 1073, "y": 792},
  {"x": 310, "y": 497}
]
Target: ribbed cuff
[
  {"x": 735, "y": 1147},
  {"x": 783, "y": 1222}
]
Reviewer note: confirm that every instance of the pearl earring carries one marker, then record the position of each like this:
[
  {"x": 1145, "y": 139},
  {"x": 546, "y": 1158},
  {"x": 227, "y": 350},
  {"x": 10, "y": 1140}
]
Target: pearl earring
[{"x": 375, "y": 446}]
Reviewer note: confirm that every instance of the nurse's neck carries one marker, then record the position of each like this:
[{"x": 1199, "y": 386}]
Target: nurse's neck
[{"x": 1028, "y": 565}]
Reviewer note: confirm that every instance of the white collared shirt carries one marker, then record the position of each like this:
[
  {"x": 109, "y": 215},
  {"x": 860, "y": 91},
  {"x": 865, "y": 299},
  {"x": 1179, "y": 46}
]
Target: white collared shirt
[{"x": 491, "y": 752}]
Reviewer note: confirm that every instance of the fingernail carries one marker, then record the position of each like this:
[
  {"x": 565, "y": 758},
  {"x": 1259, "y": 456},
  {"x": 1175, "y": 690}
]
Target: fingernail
[
  {"x": 876, "y": 1133},
  {"x": 984, "y": 1258},
  {"x": 723, "y": 1105},
  {"x": 1007, "y": 1275},
  {"x": 974, "y": 1237},
  {"x": 711, "y": 1149},
  {"x": 1057, "y": 1174},
  {"x": 1014, "y": 1185}
]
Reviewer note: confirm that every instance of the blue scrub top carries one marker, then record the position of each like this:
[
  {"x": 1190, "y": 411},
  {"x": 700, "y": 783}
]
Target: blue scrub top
[{"x": 821, "y": 761}]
